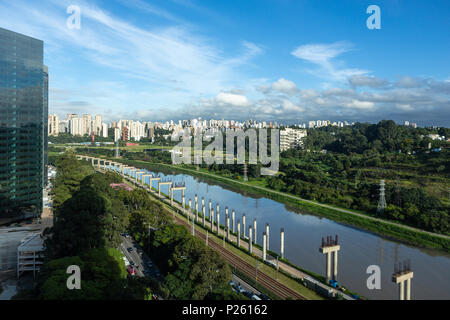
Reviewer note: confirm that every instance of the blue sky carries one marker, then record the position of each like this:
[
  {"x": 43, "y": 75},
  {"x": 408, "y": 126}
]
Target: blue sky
[{"x": 284, "y": 60}]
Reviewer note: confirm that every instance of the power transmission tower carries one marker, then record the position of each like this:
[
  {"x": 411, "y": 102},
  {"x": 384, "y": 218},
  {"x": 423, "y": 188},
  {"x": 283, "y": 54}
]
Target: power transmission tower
[{"x": 382, "y": 200}]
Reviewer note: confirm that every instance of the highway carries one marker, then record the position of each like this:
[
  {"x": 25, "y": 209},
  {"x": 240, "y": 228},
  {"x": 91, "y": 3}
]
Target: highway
[{"x": 140, "y": 259}]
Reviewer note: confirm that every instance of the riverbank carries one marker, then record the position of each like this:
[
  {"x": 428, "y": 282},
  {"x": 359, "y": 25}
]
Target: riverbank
[{"x": 406, "y": 234}]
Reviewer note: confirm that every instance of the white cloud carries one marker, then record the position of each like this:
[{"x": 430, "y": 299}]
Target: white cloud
[
  {"x": 233, "y": 99},
  {"x": 357, "y": 104},
  {"x": 284, "y": 86},
  {"x": 322, "y": 56}
]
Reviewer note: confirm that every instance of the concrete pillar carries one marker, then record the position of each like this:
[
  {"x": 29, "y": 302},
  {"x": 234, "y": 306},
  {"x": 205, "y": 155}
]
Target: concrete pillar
[
  {"x": 250, "y": 248},
  {"x": 335, "y": 267},
  {"x": 243, "y": 224},
  {"x": 233, "y": 217},
  {"x": 238, "y": 238},
  {"x": 264, "y": 252},
  {"x": 209, "y": 211},
  {"x": 211, "y": 220},
  {"x": 203, "y": 212},
  {"x": 196, "y": 208},
  {"x": 193, "y": 227},
  {"x": 171, "y": 195},
  {"x": 218, "y": 221},
  {"x": 183, "y": 202},
  {"x": 408, "y": 289},
  {"x": 190, "y": 208},
  {"x": 268, "y": 236},
  {"x": 282, "y": 243},
  {"x": 254, "y": 230},
  {"x": 401, "y": 288},
  {"x": 228, "y": 229},
  {"x": 328, "y": 266}
]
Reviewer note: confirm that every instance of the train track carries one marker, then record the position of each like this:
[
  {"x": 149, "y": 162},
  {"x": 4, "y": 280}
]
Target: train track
[{"x": 276, "y": 287}]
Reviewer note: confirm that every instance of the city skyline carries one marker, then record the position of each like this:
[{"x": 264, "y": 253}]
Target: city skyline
[{"x": 176, "y": 68}]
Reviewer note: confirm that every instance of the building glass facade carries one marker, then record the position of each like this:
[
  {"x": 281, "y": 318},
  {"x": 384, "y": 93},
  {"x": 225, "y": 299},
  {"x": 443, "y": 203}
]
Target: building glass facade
[{"x": 22, "y": 114}]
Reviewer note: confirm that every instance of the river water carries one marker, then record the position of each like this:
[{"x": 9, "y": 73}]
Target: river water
[{"x": 303, "y": 236}]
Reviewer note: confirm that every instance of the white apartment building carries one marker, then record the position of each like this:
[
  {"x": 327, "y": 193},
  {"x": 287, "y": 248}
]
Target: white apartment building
[
  {"x": 104, "y": 130},
  {"x": 76, "y": 127},
  {"x": 53, "y": 125},
  {"x": 290, "y": 138},
  {"x": 98, "y": 124}
]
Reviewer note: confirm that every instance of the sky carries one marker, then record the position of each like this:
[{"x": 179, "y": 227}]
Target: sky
[{"x": 270, "y": 60}]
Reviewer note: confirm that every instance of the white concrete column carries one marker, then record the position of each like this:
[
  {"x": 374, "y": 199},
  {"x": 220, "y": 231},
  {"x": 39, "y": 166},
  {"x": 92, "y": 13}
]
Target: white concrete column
[
  {"x": 254, "y": 230},
  {"x": 401, "y": 288},
  {"x": 183, "y": 202},
  {"x": 196, "y": 208},
  {"x": 264, "y": 252},
  {"x": 282, "y": 243},
  {"x": 250, "y": 236},
  {"x": 217, "y": 221},
  {"x": 190, "y": 208},
  {"x": 238, "y": 238},
  {"x": 209, "y": 212},
  {"x": 211, "y": 220},
  {"x": 335, "y": 270},
  {"x": 203, "y": 212},
  {"x": 408, "y": 289},
  {"x": 328, "y": 266},
  {"x": 228, "y": 229},
  {"x": 243, "y": 224},
  {"x": 268, "y": 236},
  {"x": 233, "y": 217}
]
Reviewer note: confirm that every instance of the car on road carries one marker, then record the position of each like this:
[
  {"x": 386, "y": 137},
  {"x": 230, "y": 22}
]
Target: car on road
[
  {"x": 131, "y": 263},
  {"x": 131, "y": 270},
  {"x": 130, "y": 249}
]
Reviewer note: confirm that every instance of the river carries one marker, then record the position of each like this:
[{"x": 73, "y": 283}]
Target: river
[{"x": 303, "y": 236}]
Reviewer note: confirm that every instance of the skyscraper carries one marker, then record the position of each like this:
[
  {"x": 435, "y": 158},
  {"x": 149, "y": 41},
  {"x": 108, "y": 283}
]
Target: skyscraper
[{"x": 23, "y": 99}]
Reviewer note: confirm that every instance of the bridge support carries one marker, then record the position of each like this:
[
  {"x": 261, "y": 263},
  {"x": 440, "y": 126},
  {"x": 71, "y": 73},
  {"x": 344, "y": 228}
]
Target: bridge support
[
  {"x": 267, "y": 235},
  {"x": 250, "y": 236},
  {"x": 254, "y": 230},
  {"x": 233, "y": 217},
  {"x": 282, "y": 244},
  {"x": 328, "y": 248},
  {"x": 238, "y": 237},
  {"x": 264, "y": 252}
]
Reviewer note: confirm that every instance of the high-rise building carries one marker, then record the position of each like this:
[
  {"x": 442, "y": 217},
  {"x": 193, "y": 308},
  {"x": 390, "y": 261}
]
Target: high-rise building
[
  {"x": 290, "y": 138},
  {"x": 45, "y": 125},
  {"x": 23, "y": 99},
  {"x": 87, "y": 124},
  {"x": 98, "y": 128},
  {"x": 53, "y": 125}
]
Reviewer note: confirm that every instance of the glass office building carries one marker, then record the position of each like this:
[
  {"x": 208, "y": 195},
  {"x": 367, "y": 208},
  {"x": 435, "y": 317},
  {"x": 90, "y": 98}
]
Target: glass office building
[{"x": 22, "y": 115}]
